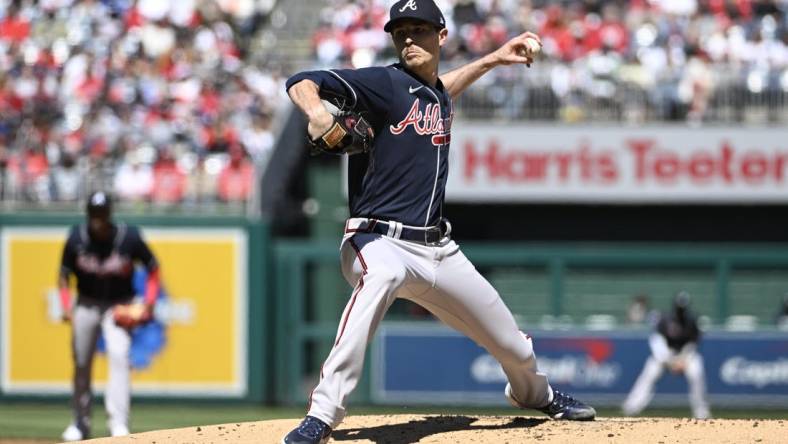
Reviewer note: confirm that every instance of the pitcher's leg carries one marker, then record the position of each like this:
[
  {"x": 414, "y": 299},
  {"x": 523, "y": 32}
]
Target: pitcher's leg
[
  {"x": 379, "y": 274},
  {"x": 480, "y": 313},
  {"x": 643, "y": 390},
  {"x": 526, "y": 364},
  {"x": 118, "y": 394},
  {"x": 696, "y": 380},
  {"x": 85, "y": 330}
]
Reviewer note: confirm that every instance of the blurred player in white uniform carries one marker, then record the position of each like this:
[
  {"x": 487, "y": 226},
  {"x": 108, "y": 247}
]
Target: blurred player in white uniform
[{"x": 674, "y": 346}]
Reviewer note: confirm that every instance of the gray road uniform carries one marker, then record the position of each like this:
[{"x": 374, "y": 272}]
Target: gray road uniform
[{"x": 397, "y": 244}]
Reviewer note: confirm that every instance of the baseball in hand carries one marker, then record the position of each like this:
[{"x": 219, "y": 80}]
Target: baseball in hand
[{"x": 532, "y": 47}]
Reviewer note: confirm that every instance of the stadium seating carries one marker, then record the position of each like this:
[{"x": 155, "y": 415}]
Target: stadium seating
[{"x": 102, "y": 93}]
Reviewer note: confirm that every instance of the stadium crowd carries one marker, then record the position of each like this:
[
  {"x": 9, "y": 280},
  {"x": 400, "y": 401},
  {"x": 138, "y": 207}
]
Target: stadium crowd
[
  {"x": 152, "y": 99},
  {"x": 162, "y": 102},
  {"x": 599, "y": 55}
]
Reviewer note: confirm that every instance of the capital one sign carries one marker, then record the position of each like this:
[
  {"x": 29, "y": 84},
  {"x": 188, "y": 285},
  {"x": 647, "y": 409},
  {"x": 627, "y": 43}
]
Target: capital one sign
[{"x": 591, "y": 164}]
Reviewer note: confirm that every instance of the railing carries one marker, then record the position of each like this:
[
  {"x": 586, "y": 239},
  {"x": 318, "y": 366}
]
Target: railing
[
  {"x": 515, "y": 93},
  {"x": 40, "y": 195}
]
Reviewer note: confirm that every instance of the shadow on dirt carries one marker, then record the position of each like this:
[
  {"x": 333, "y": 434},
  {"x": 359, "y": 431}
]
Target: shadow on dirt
[{"x": 413, "y": 431}]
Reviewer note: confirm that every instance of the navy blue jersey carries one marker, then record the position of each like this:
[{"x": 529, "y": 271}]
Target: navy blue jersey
[
  {"x": 403, "y": 177},
  {"x": 104, "y": 270},
  {"x": 678, "y": 331}
]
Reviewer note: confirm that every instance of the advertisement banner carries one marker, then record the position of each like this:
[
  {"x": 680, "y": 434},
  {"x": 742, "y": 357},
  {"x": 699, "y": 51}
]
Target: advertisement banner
[
  {"x": 196, "y": 346},
  {"x": 750, "y": 368},
  {"x": 508, "y": 163}
]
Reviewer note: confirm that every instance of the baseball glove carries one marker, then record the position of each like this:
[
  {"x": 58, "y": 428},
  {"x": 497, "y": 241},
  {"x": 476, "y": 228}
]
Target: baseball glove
[
  {"x": 350, "y": 134},
  {"x": 131, "y": 315}
]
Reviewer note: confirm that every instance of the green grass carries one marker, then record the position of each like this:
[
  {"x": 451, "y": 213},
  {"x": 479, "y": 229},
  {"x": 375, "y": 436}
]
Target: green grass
[{"x": 47, "y": 420}]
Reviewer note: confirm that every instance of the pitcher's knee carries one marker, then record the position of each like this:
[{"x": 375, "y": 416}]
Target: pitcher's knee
[{"x": 518, "y": 348}]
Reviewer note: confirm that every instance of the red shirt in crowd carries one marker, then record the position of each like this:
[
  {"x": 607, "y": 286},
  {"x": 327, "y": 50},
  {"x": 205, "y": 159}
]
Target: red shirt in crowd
[
  {"x": 169, "y": 182},
  {"x": 235, "y": 180},
  {"x": 14, "y": 29}
]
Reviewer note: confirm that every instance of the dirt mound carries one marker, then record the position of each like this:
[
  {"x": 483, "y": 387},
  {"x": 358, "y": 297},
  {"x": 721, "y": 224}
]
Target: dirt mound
[{"x": 401, "y": 429}]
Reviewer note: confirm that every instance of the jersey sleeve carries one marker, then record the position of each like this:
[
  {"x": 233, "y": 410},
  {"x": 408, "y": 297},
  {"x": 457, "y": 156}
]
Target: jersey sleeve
[
  {"x": 365, "y": 89},
  {"x": 68, "y": 261},
  {"x": 142, "y": 252}
]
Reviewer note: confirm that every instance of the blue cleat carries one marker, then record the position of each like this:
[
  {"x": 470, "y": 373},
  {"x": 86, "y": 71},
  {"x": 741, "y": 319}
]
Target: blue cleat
[
  {"x": 562, "y": 407},
  {"x": 310, "y": 431}
]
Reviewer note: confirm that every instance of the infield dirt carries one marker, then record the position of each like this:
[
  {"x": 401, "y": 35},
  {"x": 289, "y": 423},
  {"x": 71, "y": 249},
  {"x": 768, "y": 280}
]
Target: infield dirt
[{"x": 401, "y": 429}]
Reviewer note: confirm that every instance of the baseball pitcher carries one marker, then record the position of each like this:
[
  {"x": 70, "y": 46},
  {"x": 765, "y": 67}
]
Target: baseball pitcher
[
  {"x": 101, "y": 254},
  {"x": 674, "y": 346},
  {"x": 397, "y": 243}
]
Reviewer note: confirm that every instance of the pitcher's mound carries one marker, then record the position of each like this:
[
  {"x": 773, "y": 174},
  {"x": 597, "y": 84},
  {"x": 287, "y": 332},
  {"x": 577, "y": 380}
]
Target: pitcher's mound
[{"x": 402, "y": 429}]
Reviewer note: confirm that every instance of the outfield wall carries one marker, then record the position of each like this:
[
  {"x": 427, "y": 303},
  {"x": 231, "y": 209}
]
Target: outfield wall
[
  {"x": 241, "y": 320},
  {"x": 207, "y": 341},
  {"x": 567, "y": 283},
  {"x": 601, "y": 367}
]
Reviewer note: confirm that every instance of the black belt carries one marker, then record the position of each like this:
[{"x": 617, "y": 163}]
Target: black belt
[{"x": 423, "y": 235}]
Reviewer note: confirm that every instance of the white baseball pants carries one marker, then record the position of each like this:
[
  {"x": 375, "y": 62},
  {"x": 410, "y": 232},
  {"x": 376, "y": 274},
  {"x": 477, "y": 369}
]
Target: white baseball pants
[
  {"x": 643, "y": 390},
  {"x": 440, "y": 279},
  {"x": 87, "y": 319}
]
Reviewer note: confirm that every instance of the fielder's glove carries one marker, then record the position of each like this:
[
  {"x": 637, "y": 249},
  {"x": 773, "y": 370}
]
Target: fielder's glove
[
  {"x": 350, "y": 134},
  {"x": 131, "y": 315}
]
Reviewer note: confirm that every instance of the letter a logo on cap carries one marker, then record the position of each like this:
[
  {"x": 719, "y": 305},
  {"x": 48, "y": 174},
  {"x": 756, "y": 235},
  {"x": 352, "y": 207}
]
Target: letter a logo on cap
[{"x": 410, "y": 4}]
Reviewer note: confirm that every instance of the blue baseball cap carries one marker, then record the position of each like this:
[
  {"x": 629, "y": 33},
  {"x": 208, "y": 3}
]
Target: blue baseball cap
[{"x": 425, "y": 10}]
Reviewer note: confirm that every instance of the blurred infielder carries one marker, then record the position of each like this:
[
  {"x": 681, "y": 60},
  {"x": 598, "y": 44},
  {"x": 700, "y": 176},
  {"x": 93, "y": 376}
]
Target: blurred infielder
[
  {"x": 101, "y": 254},
  {"x": 397, "y": 243},
  {"x": 674, "y": 345}
]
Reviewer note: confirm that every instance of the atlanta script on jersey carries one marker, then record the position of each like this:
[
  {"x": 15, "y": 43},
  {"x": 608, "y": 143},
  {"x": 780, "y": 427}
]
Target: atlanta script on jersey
[{"x": 403, "y": 177}]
